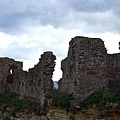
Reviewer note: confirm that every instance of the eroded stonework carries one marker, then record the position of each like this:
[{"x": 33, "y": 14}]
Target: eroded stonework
[
  {"x": 88, "y": 68},
  {"x": 35, "y": 83},
  {"x": 7, "y": 68}
]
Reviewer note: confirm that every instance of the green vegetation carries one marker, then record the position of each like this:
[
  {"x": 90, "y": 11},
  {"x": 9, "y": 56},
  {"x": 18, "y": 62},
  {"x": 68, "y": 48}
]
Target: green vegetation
[
  {"x": 11, "y": 100},
  {"x": 101, "y": 98},
  {"x": 62, "y": 100}
]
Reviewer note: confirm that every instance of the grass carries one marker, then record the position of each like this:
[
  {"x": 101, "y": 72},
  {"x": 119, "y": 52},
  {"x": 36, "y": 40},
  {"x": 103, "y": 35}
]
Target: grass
[
  {"x": 101, "y": 98},
  {"x": 11, "y": 100},
  {"x": 62, "y": 100}
]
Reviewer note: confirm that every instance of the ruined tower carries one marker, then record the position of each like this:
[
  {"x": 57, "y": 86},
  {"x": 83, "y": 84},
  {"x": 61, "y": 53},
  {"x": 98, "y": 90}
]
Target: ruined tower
[{"x": 87, "y": 67}]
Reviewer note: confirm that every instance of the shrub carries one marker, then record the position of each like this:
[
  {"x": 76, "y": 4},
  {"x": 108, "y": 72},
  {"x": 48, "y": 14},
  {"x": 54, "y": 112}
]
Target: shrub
[
  {"x": 11, "y": 100},
  {"x": 60, "y": 99},
  {"x": 100, "y": 98}
]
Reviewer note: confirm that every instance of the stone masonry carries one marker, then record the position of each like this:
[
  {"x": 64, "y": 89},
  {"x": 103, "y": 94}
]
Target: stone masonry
[
  {"x": 88, "y": 68},
  {"x": 7, "y": 68},
  {"x": 34, "y": 84}
]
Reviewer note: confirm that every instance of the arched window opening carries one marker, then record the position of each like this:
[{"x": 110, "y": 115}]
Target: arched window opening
[
  {"x": 11, "y": 71},
  {"x": 12, "y": 68}
]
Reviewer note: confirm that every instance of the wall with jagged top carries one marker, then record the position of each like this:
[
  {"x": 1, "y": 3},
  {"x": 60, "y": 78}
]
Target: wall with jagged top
[
  {"x": 88, "y": 68},
  {"x": 34, "y": 84}
]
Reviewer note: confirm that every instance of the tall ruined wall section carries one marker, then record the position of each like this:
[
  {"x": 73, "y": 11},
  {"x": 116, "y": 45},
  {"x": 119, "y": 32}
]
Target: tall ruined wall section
[
  {"x": 36, "y": 82},
  {"x": 113, "y": 62},
  {"x": 85, "y": 69}
]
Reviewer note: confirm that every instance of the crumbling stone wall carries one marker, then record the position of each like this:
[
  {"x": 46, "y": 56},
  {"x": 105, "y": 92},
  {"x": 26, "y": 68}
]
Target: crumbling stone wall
[
  {"x": 88, "y": 67},
  {"x": 35, "y": 83},
  {"x": 7, "y": 67},
  {"x": 113, "y": 62}
]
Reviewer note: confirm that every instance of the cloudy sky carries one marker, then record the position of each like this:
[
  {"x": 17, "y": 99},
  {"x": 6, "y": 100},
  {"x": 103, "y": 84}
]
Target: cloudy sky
[{"x": 30, "y": 27}]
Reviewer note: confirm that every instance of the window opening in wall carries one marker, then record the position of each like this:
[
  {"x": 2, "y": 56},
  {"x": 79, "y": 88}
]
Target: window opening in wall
[{"x": 11, "y": 72}]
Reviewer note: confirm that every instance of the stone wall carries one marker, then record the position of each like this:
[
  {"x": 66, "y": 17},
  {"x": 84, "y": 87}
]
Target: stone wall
[
  {"x": 7, "y": 67},
  {"x": 88, "y": 67},
  {"x": 35, "y": 83},
  {"x": 113, "y": 62}
]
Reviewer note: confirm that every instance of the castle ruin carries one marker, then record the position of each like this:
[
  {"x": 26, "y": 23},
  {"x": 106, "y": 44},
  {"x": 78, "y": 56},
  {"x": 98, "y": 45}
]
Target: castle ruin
[
  {"x": 87, "y": 68},
  {"x": 34, "y": 84}
]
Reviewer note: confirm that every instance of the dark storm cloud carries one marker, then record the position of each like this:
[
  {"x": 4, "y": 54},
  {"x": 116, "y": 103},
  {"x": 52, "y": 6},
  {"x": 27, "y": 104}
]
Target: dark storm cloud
[
  {"x": 17, "y": 15},
  {"x": 15, "y": 22},
  {"x": 93, "y": 5},
  {"x": 9, "y": 22}
]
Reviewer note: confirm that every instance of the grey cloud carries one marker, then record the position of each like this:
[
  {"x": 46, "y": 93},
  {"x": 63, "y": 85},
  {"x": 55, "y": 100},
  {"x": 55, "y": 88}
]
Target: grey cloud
[
  {"x": 8, "y": 21},
  {"x": 13, "y": 23},
  {"x": 26, "y": 6},
  {"x": 20, "y": 14},
  {"x": 16, "y": 16},
  {"x": 31, "y": 48},
  {"x": 16, "y": 51},
  {"x": 93, "y": 5}
]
